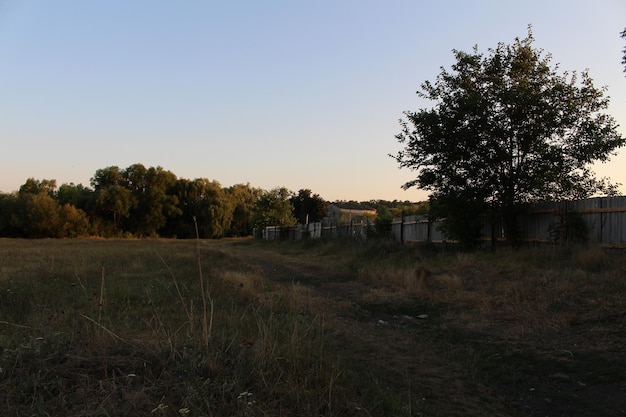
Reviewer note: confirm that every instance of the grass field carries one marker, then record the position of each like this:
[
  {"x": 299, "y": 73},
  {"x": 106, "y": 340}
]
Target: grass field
[{"x": 312, "y": 328}]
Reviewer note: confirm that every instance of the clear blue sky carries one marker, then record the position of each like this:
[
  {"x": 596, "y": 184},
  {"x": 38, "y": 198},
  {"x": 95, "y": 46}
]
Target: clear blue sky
[{"x": 272, "y": 93}]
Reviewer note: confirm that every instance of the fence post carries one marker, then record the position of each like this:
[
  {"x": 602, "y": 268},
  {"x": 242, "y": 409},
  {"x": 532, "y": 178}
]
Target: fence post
[
  {"x": 566, "y": 224},
  {"x": 601, "y": 224},
  {"x": 402, "y": 228},
  {"x": 493, "y": 229}
]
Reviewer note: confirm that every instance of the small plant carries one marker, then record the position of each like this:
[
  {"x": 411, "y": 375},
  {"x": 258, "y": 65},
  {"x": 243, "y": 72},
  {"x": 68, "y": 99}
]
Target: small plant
[
  {"x": 246, "y": 402},
  {"x": 569, "y": 229}
]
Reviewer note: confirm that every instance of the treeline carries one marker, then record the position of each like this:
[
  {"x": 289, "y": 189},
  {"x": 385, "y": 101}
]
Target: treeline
[{"x": 153, "y": 202}]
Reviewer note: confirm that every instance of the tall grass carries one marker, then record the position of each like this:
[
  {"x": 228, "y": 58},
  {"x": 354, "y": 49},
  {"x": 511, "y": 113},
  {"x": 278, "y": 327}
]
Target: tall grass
[
  {"x": 135, "y": 328},
  {"x": 169, "y": 328},
  {"x": 537, "y": 290}
]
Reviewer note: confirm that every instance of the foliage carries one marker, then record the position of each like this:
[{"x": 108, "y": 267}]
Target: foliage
[
  {"x": 111, "y": 195},
  {"x": 139, "y": 198},
  {"x": 34, "y": 212},
  {"x": 208, "y": 203},
  {"x": 244, "y": 198},
  {"x": 623, "y": 34},
  {"x": 398, "y": 208},
  {"x": 41, "y": 215},
  {"x": 386, "y": 211},
  {"x": 155, "y": 203},
  {"x": 461, "y": 216},
  {"x": 78, "y": 196},
  {"x": 73, "y": 222},
  {"x": 33, "y": 186},
  {"x": 273, "y": 208},
  {"x": 568, "y": 229},
  {"x": 140, "y": 201},
  {"x": 9, "y": 210},
  {"x": 308, "y": 207},
  {"x": 507, "y": 129},
  {"x": 382, "y": 224}
]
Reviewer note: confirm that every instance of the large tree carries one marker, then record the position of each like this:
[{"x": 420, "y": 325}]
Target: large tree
[
  {"x": 33, "y": 186},
  {"x": 244, "y": 197},
  {"x": 308, "y": 207},
  {"x": 112, "y": 196},
  {"x": 623, "y": 34},
  {"x": 152, "y": 189},
  {"x": 77, "y": 195},
  {"x": 203, "y": 204},
  {"x": 140, "y": 199},
  {"x": 506, "y": 129},
  {"x": 273, "y": 208}
]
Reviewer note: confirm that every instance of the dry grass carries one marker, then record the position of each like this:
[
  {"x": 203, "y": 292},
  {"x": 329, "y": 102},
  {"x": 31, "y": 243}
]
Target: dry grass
[
  {"x": 315, "y": 328},
  {"x": 539, "y": 290},
  {"x": 120, "y": 328}
]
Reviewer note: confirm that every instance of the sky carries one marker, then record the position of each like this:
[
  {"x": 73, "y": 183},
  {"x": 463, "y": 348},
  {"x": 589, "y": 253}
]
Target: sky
[{"x": 274, "y": 93}]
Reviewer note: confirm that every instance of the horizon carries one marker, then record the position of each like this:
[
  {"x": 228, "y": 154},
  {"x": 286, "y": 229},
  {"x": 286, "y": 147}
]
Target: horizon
[{"x": 301, "y": 96}]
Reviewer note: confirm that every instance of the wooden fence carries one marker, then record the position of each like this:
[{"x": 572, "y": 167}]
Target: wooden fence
[{"x": 604, "y": 218}]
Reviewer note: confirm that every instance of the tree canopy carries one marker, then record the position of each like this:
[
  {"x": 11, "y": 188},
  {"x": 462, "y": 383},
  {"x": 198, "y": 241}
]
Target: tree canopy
[
  {"x": 143, "y": 201},
  {"x": 308, "y": 207},
  {"x": 273, "y": 208},
  {"x": 506, "y": 129},
  {"x": 623, "y": 34}
]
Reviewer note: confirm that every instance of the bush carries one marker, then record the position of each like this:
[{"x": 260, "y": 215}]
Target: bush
[{"x": 569, "y": 229}]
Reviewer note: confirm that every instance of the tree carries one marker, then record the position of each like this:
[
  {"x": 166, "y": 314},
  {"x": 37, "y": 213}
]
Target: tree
[
  {"x": 506, "y": 129},
  {"x": 115, "y": 199},
  {"x": 10, "y": 209},
  {"x": 77, "y": 195},
  {"x": 382, "y": 223},
  {"x": 624, "y": 50},
  {"x": 111, "y": 196},
  {"x": 141, "y": 199},
  {"x": 41, "y": 216},
  {"x": 308, "y": 207},
  {"x": 105, "y": 177},
  {"x": 155, "y": 201},
  {"x": 397, "y": 208},
  {"x": 33, "y": 186},
  {"x": 386, "y": 211},
  {"x": 73, "y": 222},
  {"x": 244, "y": 197},
  {"x": 217, "y": 209},
  {"x": 34, "y": 212},
  {"x": 205, "y": 201},
  {"x": 273, "y": 208}
]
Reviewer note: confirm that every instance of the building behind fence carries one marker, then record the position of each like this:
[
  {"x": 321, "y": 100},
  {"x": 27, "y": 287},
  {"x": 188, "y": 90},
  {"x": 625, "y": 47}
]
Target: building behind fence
[{"x": 604, "y": 219}]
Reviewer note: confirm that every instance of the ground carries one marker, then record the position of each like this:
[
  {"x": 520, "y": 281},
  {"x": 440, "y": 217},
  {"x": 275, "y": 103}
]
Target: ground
[{"x": 451, "y": 368}]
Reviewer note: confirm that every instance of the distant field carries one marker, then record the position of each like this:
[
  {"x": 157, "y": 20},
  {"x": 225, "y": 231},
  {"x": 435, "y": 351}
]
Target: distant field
[{"x": 311, "y": 328}]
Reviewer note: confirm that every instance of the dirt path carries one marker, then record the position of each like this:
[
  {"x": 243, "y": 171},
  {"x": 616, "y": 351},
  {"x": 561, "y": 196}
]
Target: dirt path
[
  {"x": 447, "y": 369},
  {"x": 398, "y": 349}
]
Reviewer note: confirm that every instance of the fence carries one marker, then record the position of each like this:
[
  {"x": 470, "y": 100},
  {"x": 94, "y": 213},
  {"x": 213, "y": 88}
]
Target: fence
[
  {"x": 355, "y": 229},
  {"x": 604, "y": 218}
]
